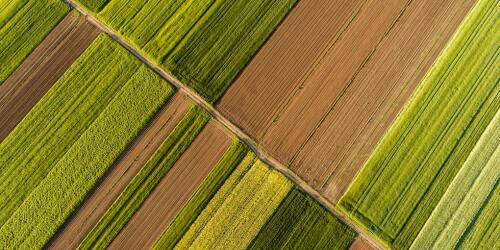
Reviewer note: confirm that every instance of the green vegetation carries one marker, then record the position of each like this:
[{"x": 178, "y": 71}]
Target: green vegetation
[
  {"x": 471, "y": 204},
  {"x": 136, "y": 98},
  {"x": 57, "y": 122},
  {"x": 203, "y": 43},
  {"x": 433, "y": 136},
  {"x": 301, "y": 223},
  {"x": 146, "y": 180},
  {"x": 23, "y": 25},
  {"x": 212, "y": 183},
  {"x": 240, "y": 208}
]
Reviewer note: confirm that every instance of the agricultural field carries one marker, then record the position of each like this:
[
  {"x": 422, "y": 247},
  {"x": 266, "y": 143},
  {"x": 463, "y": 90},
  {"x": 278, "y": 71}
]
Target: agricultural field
[
  {"x": 205, "y": 44},
  {"x": 212, "y": 124},
  {"x": 418, "y": 160}
]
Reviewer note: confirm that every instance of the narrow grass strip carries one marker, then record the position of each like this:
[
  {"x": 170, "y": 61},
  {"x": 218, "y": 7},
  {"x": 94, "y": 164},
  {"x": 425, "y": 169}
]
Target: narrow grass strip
[
  {"x": 85, "y": 163},
  {"x": 233, "y": 220},
  {"x": 300, "y": 222},
  {"x": 433, "y": 136},
  {"x": 60, "y": 118},
  {"x": 207, "y": 190},
  {"x": 204, "y": 43},
  {"x": 23, "y": 25},
  {"x": 459, "y": 210},
  {"x": 146, "y": 180}
]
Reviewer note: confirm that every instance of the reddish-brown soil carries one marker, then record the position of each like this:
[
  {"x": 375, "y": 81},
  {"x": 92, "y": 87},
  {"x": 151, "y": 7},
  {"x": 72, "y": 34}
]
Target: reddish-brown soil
[
  {"x": 41, "y": 69},
  {"x": 361, "y": 243},
  {"x": 122, "y": 173},
  {"x": 324, "y": 116},
  {"x": 174, "y": 190}
]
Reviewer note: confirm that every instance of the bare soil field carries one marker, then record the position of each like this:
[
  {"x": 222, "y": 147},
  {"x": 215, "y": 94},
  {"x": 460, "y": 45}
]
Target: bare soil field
[
  {"x": 42, "y": 68},
  {"x": 122, "y": 173},
  {"x": 174, "y": 190},
  {"x": 360, "y": 243},
  {"x": 326, "y": 120}
]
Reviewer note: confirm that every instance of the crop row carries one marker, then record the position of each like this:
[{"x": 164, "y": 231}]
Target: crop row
[
  {"x": 203, "y": 43},
  {"x": 23, "y": 25},
  {"x": 57, "y": 154},
  {"x": 433, "y": 136},
  {"x": 146, "y": 180}
]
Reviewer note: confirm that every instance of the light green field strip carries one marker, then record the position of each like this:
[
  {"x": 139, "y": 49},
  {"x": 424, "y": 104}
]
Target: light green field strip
[
  {"x": 212, "y": 183},
  {"x": 23, "y": 25},
  {"x": 301, "y": 223},
  {"x": 457, "y": 217},
  {"x": 146, "y": 180},
  {"x": 204, "y": 43},
  {"x": 239, "y": 209},
  {"x": 64, "y": 188},
  {"x": 433, "y": 136},
  {"x": 51, "y": 128}
]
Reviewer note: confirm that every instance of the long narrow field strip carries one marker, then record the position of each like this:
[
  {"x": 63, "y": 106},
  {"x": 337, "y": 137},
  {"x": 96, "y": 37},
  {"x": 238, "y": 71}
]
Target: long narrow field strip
[
  {"x": 325, "y": 88},
  {"x": 23, "y": 25},
  {"x": 42, "y": 68},
  {"x": 467, "y": 215},
  {"x": 113, "y": 184},
  {"x": 175, "y": 189},
  {"x": 55, "y": 124},
  {"x": 131, "y": 199},
  {"x": 433, "y": 136},
  {"x": 82, "y": 165},
  {"x": 204, "y": 193},
  {"x": 204, "y": 43},
  {"x": 301, "y": 223}
]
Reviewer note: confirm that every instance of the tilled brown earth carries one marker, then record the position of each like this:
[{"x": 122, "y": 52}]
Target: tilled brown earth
[
  {"x": 361, "y": 243},
  {"x": 121, "y": 174},
  {"x": 323, "y": 116},
  {"x": 174, "y": 190},
  {"x": 42, "y": 68}
]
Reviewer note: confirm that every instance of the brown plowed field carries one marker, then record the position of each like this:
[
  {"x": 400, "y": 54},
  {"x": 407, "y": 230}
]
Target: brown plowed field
[
  {"x": 361, "y": 243},
  {"x": 325, "y": 125},
  {"x": 42, "y": 68},
  {"x": 160, "y": 208},
  {"x": 122, "y": 173}
]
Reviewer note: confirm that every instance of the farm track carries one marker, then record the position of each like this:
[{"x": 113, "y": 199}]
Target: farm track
[
  {"x": 341, "y": 104},
  {"x": 73, "y": 232},
  {"x": 160, "y": 208},
  {"x": 259, "y": 151},
  {"x": 42, "y": 68}
]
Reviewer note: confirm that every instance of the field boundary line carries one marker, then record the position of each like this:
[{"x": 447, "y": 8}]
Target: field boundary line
[{"x": 260, "y": 152}]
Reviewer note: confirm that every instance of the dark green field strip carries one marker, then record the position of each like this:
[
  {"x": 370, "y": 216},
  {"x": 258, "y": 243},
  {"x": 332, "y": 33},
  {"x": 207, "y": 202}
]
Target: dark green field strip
[
  {"x": 225, "y": 167},
  {"x": 433, "y": 136},
  {"x": 23, "y": 25},
  {"x": 146, "y": 180},
  {"x": 86, "y": 161},
  {"x": 467, "y": 215},
  {"x": 301, "y": 223},
  {"x": 204, "y": 43},
  {"x": 68, "y": 109}
]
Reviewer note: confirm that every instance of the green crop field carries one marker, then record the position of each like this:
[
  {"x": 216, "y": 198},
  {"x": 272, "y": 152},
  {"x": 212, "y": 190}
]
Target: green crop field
[
  {"x": 146, "y": 180},
  {"x": 433, "y": 136},
  {"x": 301, "y": 223},
  {"x": 464, "y": 216},
  {"x": 65, "y": 145},
  {"x": 205, "y": 44},
  {"x": 23, "y": 25}
]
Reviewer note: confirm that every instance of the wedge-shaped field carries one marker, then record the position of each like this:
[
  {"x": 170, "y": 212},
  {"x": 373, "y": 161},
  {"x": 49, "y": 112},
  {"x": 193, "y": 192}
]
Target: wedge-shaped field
[
  {"x": 433, "y": 136},
  {"x": 301, "y": 223},
  {"x": 467, "y": 215},
  {"x": 23, "y": 25},
  {"x": 57, "y": 154},
  {"x": 146, "y": 180},
  {"x": 203, "y": 43}
]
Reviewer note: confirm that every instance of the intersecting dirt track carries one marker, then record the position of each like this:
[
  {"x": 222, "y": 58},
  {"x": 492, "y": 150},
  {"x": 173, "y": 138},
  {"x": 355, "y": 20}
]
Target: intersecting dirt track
[
  {"x": 174, "y": 190},
  {"x": 122, "y": 173},
  {"x": 41, "y": 69},
  {"x": 328, "y": 84}
]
